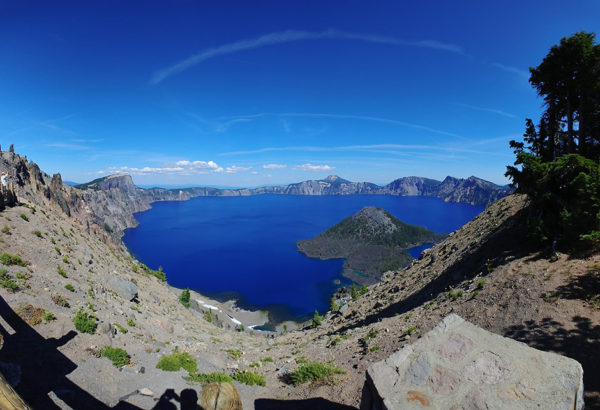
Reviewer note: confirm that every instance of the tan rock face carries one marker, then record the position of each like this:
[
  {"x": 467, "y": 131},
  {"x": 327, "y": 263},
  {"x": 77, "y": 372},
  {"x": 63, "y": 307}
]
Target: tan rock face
[
  {"x": 220, "y": 396},
  {"x": 455, "y": 348}
]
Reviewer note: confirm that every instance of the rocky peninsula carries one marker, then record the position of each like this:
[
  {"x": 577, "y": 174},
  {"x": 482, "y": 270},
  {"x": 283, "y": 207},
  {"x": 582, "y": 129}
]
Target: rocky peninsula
[{"x": 372, "y": 241}]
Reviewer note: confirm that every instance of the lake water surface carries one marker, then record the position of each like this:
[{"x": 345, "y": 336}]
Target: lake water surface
[{"x": 245, "y": 247}]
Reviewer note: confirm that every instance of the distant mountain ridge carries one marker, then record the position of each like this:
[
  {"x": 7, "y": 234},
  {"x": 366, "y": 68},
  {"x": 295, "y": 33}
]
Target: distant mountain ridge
[{"x": 473, "y": 190}]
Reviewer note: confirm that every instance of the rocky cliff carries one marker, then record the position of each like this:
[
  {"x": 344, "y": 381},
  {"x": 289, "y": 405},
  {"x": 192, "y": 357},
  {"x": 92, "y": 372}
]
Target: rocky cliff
[{"x": 473, "y": 190}]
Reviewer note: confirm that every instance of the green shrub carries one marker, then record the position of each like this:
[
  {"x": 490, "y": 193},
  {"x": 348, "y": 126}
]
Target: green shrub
[
  {"x": 206, "y": 378},
  {"x": 249, "y": 378},
  {"x": 61, "y": 272},
  {"x": 316, "y": 320},
  {"x": 130, "y": 322},
  {"x": 176, "y": 361},
  {"x": 372, "y": 349},
  {"x": 118, "y": 356},
  {"x": 6, "y": 230},
  {"x": 363, "y": 289},
  {"x": 315, "y": 372},
  {"x": 208, "y": 316},
  {"x": 184, "y": 298},
  {"x": 157, "y": 273},
  {"x": 8, "y": 259},
  {"x": 48, "y": 316},
  {"x": 60, "y": 301},
  {"x": 85, "y": 323},
  {"x": 333, "y": 307},
  {"x": 411, "y": 330},
  {"x": 38, "y": 234},
  {"x": 267, "y": 359},
  {"x": 57, "y": 249},
  {"x": 24, "y": 217},
  {"x": 7, "y": 282},
  {"x": 69, "y": 287},
  {"x": 454, "y": 294},
  {"x": 480, "y": 284},
  {"x": 354, "y": 293},
  {"x": 65, "y": 259},
  {"x": 234, "y": 354},
  {"x": 121, "y": 328}
]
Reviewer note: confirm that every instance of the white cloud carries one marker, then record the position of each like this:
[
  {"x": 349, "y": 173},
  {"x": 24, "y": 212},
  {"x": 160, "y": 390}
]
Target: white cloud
[
  {"x": 492, "y": 110},
  {"x": 513, "y": 70},
  {"x": 235, "y": 169},
  {"x": 311, "y": 167},
  {"x": 183, "y": 167},
  {"x": 342, "y": 117},
  {"x": 291, "y": 36},
  {"x": 198, "y": 164},
  {"x": 274, "y": 166}
]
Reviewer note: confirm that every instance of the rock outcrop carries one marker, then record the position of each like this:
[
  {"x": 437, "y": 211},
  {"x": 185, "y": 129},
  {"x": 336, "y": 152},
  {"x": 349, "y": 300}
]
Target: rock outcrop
[{"x": 458, "y": 365}]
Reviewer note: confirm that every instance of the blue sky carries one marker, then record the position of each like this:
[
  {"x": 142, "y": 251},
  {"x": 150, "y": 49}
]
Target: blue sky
[{"x": 260, "y": 93}]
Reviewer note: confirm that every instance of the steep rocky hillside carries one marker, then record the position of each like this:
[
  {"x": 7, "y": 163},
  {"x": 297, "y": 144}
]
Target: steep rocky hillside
[{"x": 372, "y": 241}]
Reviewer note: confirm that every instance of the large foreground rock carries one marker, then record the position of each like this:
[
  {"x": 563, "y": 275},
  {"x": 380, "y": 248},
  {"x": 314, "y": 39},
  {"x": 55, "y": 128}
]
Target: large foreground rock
[{"x": 458, "y": 365}]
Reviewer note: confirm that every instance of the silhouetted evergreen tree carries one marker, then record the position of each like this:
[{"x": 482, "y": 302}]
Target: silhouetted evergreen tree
[{"x": 557, "y": 162}]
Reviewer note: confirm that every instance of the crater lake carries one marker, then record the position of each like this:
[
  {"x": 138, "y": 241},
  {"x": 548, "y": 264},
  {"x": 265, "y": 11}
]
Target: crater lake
[{"x": 244, "y": 248}]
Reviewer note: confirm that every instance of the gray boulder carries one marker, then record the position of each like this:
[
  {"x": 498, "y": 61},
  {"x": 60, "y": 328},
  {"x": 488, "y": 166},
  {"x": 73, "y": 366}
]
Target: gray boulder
[
  {"x": 458, "y": 365},
  {"x": 124, "y": 288}
]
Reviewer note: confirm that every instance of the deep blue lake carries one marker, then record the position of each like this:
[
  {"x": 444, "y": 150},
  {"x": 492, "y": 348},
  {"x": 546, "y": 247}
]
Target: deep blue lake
[{"x": 245, "y": 247}]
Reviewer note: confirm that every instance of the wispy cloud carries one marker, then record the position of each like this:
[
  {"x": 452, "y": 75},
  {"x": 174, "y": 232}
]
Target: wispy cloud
[
  {"x": 234, "y": 169},
  {"x": 50, "y": 124},
  {"x": 513, "y": 70},
  {"x": 311, "y": 167},
  {"x": 380, "y": 148},
  {"x": 291, "y": 36},
  {"x": 249, "y": 117},
  {"x": 486, "y": 109},
  {"x": 274, "y": 166},
  {"x": 68, "y": 146}
]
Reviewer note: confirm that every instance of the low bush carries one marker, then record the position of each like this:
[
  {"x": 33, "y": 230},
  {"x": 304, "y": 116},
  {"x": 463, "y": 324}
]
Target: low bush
[
  {"x": 7, "y": 282},
  {"x": 176, "y": 361},
  {"x": 316, "y": 320},
  {"x": 70, "y": 287},
  {"x": 30, "y": 314},
  {"x": 6, "y": 230},
  {"x": 184, "y": 298},
  {"x": 130, "y": 322},
  {"x": 315, "y": 372},
  {"x": 121, "y": 328},
  {"x": 8, "y": 259},
  {"x": 60, "y": 301},
  {"x": 118, "y": 356},
  {"x": 85, "y": 323},
  {"x": 234, "y": 354},
  {"x": 206, "y": 378},
  {"x": 48, "y": 316},
  {"x": 24, "y": 217},
  {"x": 38, "y": 234},
  {"x": 372, "y": 349},
  {"x": 249, "y": 378},
  {"x": 61, "y": 272}
]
